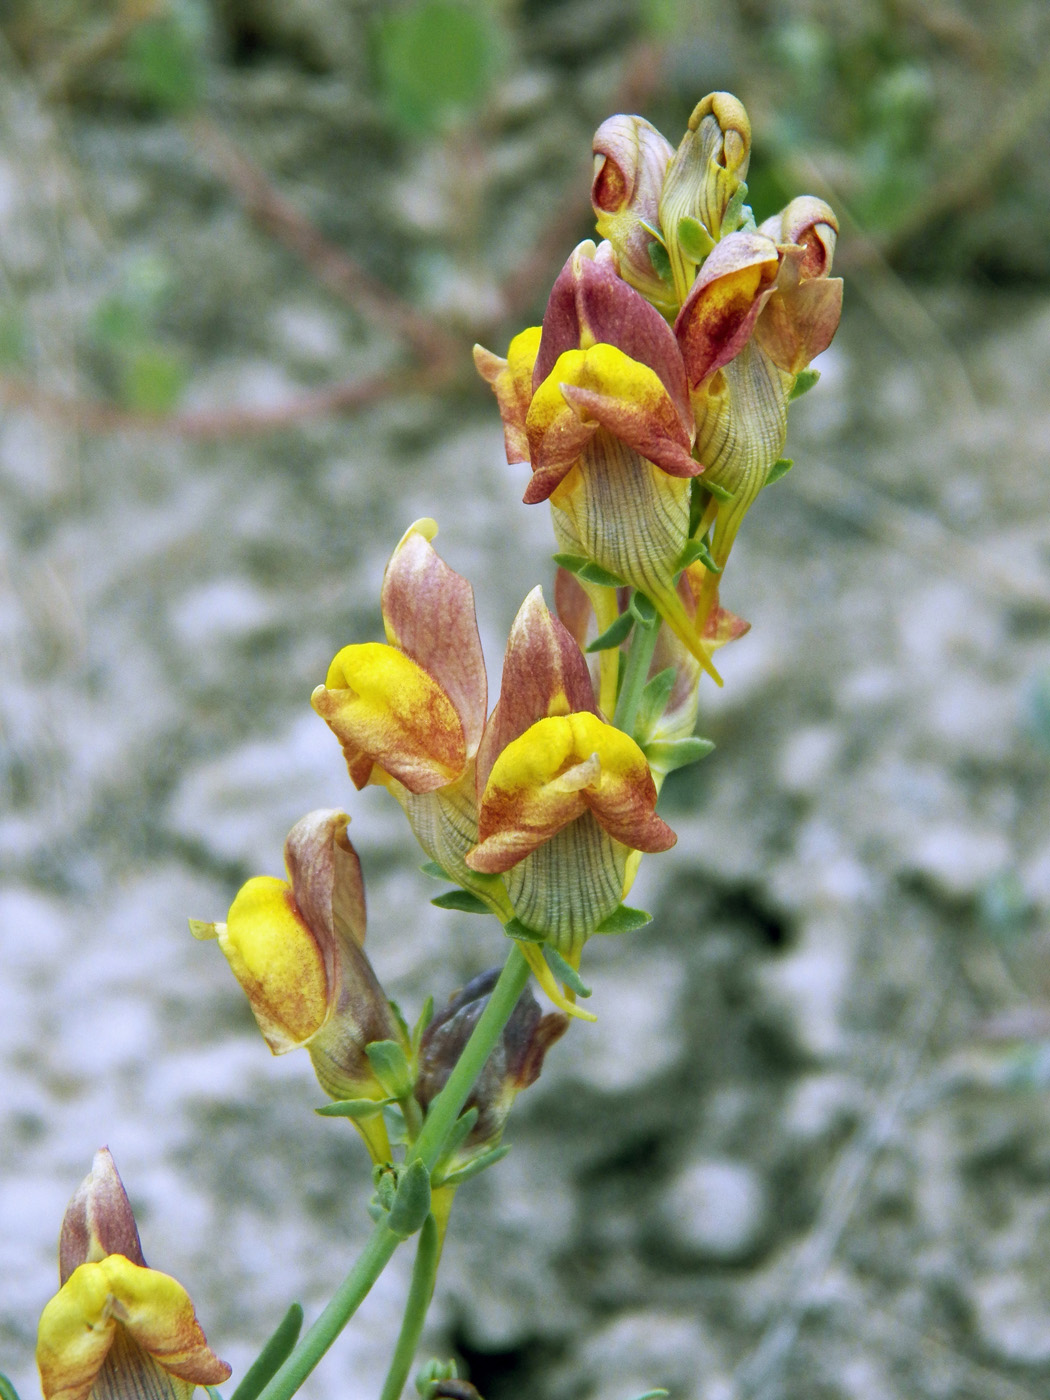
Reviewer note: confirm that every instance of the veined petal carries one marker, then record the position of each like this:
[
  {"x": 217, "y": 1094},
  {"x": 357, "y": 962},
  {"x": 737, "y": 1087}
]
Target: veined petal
[
  {"x": 630, "y": 161},
  {"x": 557, "y": 434},
  {"x": 730, "y": 291},
  {"x": 278, "y": 961},
  {"x": 554, "y": 772},
  {"x": 98, "y": 1220},
  {"x": 811, "y": 224},
  {"x": 511, "y": 381},
  {"x": 800, "y": 321},
  {"x": 78, "y": 1327},
  {"x": 428, "y": 612},
  {"x": 381, "y": 704}
]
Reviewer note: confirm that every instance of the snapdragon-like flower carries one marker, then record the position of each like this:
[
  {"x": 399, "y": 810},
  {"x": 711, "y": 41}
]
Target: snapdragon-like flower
[
  {"x": 566, "y": 800},
  {"x": 296, "y": 947},
  {"x": 409, "y": 712},
  {"x": 598, "y": 403},
  {"x": 116, "y": 1329}
]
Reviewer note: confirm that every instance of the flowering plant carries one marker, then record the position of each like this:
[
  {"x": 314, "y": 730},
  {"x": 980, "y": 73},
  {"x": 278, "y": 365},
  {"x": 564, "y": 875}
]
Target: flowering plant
[{"x": 650, "y": 408}]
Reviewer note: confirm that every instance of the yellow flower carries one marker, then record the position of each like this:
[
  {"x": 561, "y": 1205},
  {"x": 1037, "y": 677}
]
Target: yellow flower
[{"x": 117, "y": 1330}]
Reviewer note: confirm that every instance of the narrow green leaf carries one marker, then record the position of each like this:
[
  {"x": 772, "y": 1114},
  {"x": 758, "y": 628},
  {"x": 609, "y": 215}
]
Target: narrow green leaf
[
  {"x": 625, "y": 920},
  {"x": 654, "y": 699},
  {"x": 660, "y": 261},
  {"x": 720, "y": 493},
  {"x": 780, "y": 468},
  {"x": 435, "y": 871},
  {"x": 476, "y": 1165},
  {"x": 353, "y": 1108},
  {"x": 804, "y": 381},
  {"x": 658, "y": 1394},
  {"x": 669, "y": 754},
  {"x": 565, "y": 972},
  {"x": 643, "y": 610},
  {"x": 411, "y": 1201},
  {"x": 587, "y": 570},
  {"x": 516, "y": 929},
  {"x": 425, "y": 1018},
  {"x": 462, "y": 900},
  {"x": 694, "y": 239},
  {"x": 737, "y": 214},
  {"x": 7, "y": 1390},
  {"x": 390, "y": 1067},
  {"x": 614, "y": 634},
  {"x": 694, "y": 550},
  {"x": 457, "y": 1135},
  {"x": 273, "y": 1355}
]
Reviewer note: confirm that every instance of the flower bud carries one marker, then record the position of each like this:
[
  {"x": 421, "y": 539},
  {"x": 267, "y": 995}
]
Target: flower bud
[
  {"x": 117, "y": 1330},
  {"x": 630, "y": 162},
  {"x": 514, "y": 1064}
]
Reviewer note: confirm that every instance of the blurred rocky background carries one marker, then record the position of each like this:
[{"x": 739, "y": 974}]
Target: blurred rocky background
[{"x": 245, "y": 247}]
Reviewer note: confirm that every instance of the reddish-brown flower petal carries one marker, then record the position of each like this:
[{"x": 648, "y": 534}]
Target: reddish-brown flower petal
[
  {"x": 800, "y": 321},
  {"x": 428, "y": 611},
  {"x": 511, "y": 381},
  {"x": 730, "y": 291},
  {"x": 98, "y": 1220},
  {"x": 630, "y": 161}
]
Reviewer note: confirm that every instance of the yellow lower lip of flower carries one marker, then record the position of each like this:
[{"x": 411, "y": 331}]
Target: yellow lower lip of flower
[
  {"x": 379, "y": 701},
  {"x": 277, "y": 961},
  {"x": 78, "y": 1326}
]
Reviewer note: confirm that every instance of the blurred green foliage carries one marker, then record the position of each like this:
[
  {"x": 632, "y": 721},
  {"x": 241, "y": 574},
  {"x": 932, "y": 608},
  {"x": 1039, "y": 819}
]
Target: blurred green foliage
[
  {"x": 164, "y": 57},
  {"x": 147, "y": 373}
]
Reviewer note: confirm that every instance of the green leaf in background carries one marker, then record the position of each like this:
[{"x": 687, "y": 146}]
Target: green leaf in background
[
  {"x": 152, "y": 378},
  {"x": 164, "y": 57},
  {"x": 13, "y": 337},
  {"x": 435, "y": 60}
]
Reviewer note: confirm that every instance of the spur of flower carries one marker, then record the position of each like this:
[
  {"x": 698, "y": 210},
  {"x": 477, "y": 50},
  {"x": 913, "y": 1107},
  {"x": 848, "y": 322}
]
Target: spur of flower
[
  {"x": 566, "y": 802},
  {"x": 296, "y": 948},
  {"x": 116, "y": 1329},
  {"x": 409, "y": 712}
]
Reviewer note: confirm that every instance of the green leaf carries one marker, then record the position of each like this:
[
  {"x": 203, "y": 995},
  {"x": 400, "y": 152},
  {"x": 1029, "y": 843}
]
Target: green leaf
[
  {"x": 435, "y": 871},
  {"x": 457, "y": 1135},
  {"x": 737, "y": 214},
  {"x": 643, "y": 610},
  {"x": 353, "y": 1108},
  {"x": 390, "y": 1067},
  {"x": 152, "y": 378},
  {"x": 425, "y": 1018},
  {"x": 614, "y": 634},
  {"x": 565, "y": 972},
  {"x": 273, "y": 1355},
  {"x": 474, "y": 1166},
  {"x": 694, "y": 239},
  {"x": 660, "y": 261},
  {"x": 804, "y": 381},
  {"x": 462, "y": 900},
  {"x": 720, "y": 493},
  {"x": 411, "y": 1204},
  {"x": 14, "y": 341},
  {"x": 587, "y": 570},
  {"x": 780, "y": 468},
  {"x": 516, "y": 929},
  {"x": 625, "y": 920},
  {"x": 7, "y": 1390},
  {"x": 694, "y": 550},
  {"x": 658, "y": 1394},
  {"x": 423, "y": 94},
  {"x": 669, "y": 754},
  {"x": 654, "y": 699}
]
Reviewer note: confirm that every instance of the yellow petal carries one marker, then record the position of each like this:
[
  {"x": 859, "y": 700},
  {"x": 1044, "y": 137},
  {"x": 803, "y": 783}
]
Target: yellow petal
[
  {"x": 511, "y": 381},
  {"x": 382, "y": 704},
  {"x": 278, "y": 962}
]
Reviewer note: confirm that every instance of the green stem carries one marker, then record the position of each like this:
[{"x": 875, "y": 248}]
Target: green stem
[
  {"x": 421, "y": 1290},
  {"x": 380, "y": 1248},
  {"x": 349, "y": 1296},
  {"x": 448, "y": 1105},
  {"x": 636, "y": 673}
]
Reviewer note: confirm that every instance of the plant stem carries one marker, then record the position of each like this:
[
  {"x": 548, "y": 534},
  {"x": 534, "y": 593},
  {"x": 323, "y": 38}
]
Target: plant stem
[
  {"x": 383, "y": 1242},
  {"x": 447, "y": 1106},
  {"x": 421, "y": 1290},
  {"x": 636, "y": 672},
  {"x": 349, "y": 1296}
]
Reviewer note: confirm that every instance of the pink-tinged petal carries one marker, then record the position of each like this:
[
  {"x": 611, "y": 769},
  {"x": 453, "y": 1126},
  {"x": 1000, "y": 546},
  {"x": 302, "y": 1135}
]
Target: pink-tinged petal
[
  {"x": 552, "y": 774},
  {"x": 573, "y": 606},
  {"x": 98, "y": 1220},
  {"x": 557, "y": 436},
  {"x": 799, "y": 322},
  {"x": 590, "y": 305},
  {"x": 652, "y": 430},
  {"x": 720, "y": 311},
  {"x": 544, "y": 674},
  {"x": 810, "y": 224},
  {"x": 428, "y": 611},
  {"x": 380, "y": 703},
  {"x": 511, "y": 381},
  {"x": 630, "y": 161}
]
